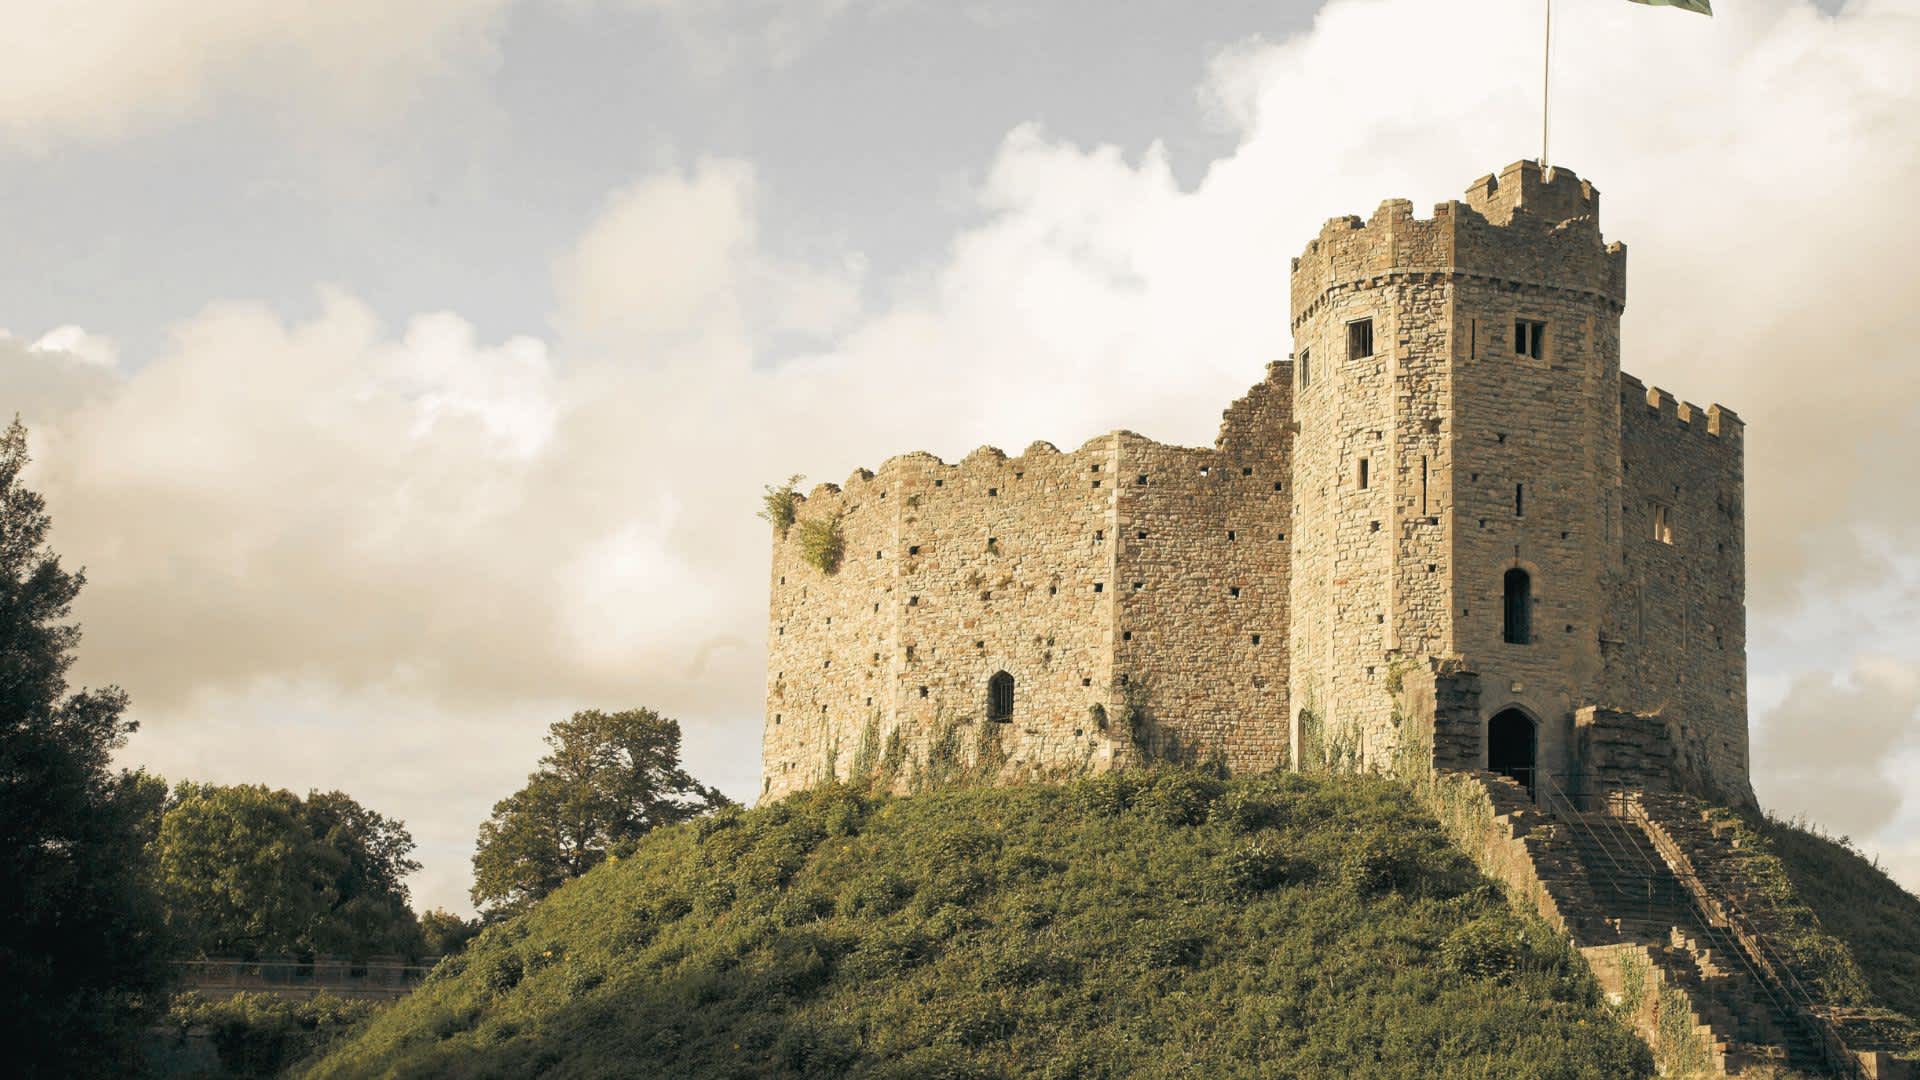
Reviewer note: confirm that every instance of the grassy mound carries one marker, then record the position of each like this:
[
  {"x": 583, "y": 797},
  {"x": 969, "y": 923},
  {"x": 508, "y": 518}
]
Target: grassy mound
[
  {"x": 1149, "y": 924},
  {"x": 1876, "y": 922}
]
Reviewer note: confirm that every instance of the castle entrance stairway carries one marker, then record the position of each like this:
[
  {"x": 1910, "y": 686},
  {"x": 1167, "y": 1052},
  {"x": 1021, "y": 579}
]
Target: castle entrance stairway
[
  {"x": 1644, "y": 907},
  {"x": 1638, "y": 900}
]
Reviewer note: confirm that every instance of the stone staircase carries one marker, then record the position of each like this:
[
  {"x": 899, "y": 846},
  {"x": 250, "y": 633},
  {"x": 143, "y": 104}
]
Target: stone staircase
[
  {"x": 1603, "y": 880},
  {"x": 1640, "y": 901}
]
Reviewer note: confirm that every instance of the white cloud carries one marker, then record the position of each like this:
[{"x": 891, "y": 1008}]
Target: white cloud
[
  {"x": 723, "y": 35},
  {"x": 87, "y": 348},
  {"x": 1827, "y": 751},
  {"x": 92, "y": 69},
  {"x": 426, "y": 529},
  {"x": 674, "y": 262}
]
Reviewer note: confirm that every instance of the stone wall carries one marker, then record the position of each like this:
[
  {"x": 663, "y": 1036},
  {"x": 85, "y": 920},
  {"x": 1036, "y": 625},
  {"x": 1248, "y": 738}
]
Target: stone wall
[
  {"x": 1677, "y": 639},
  {"x": 1535, "y": 468},
  {"x": 1202, "y": 570},
  {"x": 1127, "y": 573},
  {"x": 951, "y": 573}
]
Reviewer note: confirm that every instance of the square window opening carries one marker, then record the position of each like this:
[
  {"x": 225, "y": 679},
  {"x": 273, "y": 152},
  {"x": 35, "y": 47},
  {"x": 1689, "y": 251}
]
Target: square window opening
[
  {"x": 1359, "y": 339},
  {"x": 1530, "y": 338}
]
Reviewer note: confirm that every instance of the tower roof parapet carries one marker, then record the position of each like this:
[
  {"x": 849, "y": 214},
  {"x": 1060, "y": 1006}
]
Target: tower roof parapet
[
  {"x": 1526, "y": 226},
  {"x": 1551, "y": 194}
]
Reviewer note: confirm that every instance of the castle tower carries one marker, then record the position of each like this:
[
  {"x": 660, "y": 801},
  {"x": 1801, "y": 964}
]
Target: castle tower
[
  {"x": 1457, "y": 467},
  {"x": 1450, "y": 529}
]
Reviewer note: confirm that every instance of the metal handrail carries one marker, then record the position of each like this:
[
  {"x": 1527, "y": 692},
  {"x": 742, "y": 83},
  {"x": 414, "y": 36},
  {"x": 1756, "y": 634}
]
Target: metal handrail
[
  {"x": 1751, "y": 947},
  {"x": 1772, "y": 975},
  {"x": 1562, "y": 805},
  {"x": 1747, "y": 946},
  {"x": 1607, "y": 839}
]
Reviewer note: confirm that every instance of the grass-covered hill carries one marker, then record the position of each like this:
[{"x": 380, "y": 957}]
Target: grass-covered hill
[
  {"x": 1866, "y": 917},
  {"x": 1159, "y": 924}
]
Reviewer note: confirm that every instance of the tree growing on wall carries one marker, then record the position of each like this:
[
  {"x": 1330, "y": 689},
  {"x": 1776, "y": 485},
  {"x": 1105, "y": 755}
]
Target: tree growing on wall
[
  {"x": 607, "y": 778},
  {"x": 780, "y": 505},
  {"x": 248, "y": 870},
  {"x": 80, "y": 944},
  {"x": 822, "y": 543}
]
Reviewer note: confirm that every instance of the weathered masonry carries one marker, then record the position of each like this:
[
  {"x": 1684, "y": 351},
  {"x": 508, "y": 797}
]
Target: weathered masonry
[{"x": 1448, "y": 525}]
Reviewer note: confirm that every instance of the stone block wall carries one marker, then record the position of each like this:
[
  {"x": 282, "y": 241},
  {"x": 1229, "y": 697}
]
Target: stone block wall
[
  {"x": 1096, "y": 579},
  {"x": 951, "y": 573},
  {"x": 1202, "y": 567},
  {"x": 1676, "y": 641}
]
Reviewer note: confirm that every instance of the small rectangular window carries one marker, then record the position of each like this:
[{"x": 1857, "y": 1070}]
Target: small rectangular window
[
  {"x": 1364, "y": 474},
  {"x": 1473, "y": 339},
  {"x": 1519, "y": 500},
  {"x": 1359, "y": 339},
  {"x": 1306, "y": 368},
  {"x": 1423, "y": 485},
  {"x": 1662, "y": 525},
  {"x": 1530, "y": 338}
]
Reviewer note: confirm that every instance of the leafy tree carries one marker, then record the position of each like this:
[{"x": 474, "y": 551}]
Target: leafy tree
[
  {"x": 79, "y": 933},
  {"x": 606, "y": 778},
  {"x": 371, "y": 913},
  {"x": 444, "y": 933},
  {"x": 250, "y": 870}
]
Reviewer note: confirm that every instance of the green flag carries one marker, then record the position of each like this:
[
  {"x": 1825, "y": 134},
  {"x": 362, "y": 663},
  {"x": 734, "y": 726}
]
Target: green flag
[{"x": 1704, "y": 7}]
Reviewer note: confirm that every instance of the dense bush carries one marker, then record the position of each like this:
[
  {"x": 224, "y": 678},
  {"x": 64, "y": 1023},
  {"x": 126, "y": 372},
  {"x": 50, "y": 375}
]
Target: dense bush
[
  {"x": 262, "y": 1034},
  {"x": 1147, "y": 924}
]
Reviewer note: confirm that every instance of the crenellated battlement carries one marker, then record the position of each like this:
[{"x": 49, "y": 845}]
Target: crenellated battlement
[
  {"x": 1521, "y": 228},
  {"x": 1552, "y": 195},
  {"x": 1639, "y": 402}
]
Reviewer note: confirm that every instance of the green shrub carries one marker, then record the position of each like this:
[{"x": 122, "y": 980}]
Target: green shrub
[
  {"x": 1249, "y": 869},
  {"x": 262, "y": 1034},
  {"x": 1483, "y": 948},
  {"x": 1179, "y": 797},
  {"x": 822, "y": 543},
  {"x": 1382, "y": 863},
  {"x": 500, "y": 971},
  {"x": 780, "y": 505}
]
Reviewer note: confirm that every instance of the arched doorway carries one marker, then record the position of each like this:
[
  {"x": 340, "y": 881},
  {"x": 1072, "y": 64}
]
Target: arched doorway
[{"x": 1510, "y": 746}]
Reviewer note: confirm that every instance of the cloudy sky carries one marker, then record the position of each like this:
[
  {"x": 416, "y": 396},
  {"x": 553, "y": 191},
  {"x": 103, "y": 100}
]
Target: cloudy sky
[{"x": 404, "y": 372}]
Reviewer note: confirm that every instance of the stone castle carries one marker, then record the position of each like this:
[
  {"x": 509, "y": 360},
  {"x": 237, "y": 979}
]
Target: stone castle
[{"x": 1448, "y": 526}]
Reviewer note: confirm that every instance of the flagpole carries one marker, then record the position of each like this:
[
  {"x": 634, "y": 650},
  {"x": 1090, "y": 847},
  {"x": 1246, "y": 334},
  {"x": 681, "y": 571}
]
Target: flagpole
[{"x": 1546, "y": 85}]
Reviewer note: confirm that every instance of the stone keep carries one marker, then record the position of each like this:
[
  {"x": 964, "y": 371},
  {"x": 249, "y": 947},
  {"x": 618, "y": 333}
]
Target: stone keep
[{"x": 1447, "y": 529}]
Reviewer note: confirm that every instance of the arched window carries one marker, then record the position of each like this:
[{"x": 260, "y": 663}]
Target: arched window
[
  {"x": 1519, "y": 630},
  {"x": 1000, "y": 698}
]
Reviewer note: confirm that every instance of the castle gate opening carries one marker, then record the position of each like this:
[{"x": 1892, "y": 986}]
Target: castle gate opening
[{"x": 1511, "y": 742}]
